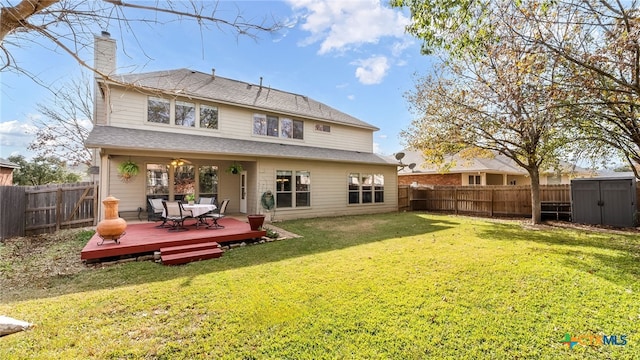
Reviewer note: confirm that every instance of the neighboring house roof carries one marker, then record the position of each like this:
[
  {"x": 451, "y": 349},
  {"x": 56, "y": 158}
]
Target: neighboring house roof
[
  {"x": 124, "y": 138},
  {"x": 497, "y": 164},
  {"x": 189, "y": 83},
  {"x": 8, "y": 164}
]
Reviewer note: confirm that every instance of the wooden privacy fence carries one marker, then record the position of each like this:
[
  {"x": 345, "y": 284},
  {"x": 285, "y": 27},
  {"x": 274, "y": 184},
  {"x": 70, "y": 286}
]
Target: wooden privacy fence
[
  {"x": 480, "y": 200},
  {"x": 28, "y": 210}
]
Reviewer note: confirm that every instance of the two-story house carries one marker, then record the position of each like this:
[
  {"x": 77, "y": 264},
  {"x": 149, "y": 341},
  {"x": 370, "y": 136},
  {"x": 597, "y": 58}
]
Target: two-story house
[{"x": 184, "y": 129}]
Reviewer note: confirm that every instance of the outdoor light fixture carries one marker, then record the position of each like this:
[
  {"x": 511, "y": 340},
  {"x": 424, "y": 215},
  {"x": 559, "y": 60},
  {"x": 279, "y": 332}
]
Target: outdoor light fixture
[{"x": 177, "y": 162}]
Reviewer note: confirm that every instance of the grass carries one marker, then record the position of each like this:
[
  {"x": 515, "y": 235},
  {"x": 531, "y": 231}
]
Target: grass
[{"x": 391, "y": 286}]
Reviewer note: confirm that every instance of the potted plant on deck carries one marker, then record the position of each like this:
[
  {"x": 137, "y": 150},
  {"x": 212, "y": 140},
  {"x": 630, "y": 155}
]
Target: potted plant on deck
[{"x": 190, "y": 198}]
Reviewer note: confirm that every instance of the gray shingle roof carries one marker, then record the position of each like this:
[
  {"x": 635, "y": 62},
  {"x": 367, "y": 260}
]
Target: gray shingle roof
[
  {"x": 123, "y": 138},
  {"x": 8, "y": 164},
  {"x": 189, "y": 83}
]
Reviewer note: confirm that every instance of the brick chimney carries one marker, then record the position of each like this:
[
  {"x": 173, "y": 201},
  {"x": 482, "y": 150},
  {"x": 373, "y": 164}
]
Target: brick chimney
[{"x": 104, "y": 53}]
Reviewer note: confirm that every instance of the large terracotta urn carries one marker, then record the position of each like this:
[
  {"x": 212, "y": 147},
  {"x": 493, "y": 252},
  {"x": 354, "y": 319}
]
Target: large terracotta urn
[{"x": 112, "y": 226}]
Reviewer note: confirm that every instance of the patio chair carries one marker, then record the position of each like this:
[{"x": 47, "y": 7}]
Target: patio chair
[
  {"x": 175, "y": 214},
  {"x": 218, "y": 214},
  {"x": 155, "y": 211},
  {"x": 207, "y": 200}
]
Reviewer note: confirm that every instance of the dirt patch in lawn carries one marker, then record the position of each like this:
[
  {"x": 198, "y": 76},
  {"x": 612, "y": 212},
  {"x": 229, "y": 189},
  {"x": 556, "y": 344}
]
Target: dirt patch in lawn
[{"x": 34, "y": 261}]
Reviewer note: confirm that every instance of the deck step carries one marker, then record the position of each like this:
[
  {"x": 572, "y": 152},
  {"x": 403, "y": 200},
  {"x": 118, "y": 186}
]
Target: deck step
[
  {"x": 187, "y": 248},
  {"x": 190, "y": 256}
]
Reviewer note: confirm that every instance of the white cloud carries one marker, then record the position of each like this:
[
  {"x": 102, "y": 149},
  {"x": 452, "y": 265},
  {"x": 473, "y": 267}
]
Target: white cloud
[
  {"x": 340, "y": 25},
  {"x": 351, "y": 97},
  {"x": 399, "y": 47},
  {"x": 15, "y": 137},
  {"x": 373, "y": 70},
  {"x": 382, "y": 136},
  {"x": 15, "y": 128}
]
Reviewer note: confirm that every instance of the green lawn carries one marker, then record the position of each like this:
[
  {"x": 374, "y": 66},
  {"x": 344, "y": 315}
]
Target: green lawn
[{"x": 392, "y": 286}]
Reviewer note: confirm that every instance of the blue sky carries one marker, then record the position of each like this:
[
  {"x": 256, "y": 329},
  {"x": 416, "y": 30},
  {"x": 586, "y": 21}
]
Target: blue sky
[{"x": 353, "y": 55}]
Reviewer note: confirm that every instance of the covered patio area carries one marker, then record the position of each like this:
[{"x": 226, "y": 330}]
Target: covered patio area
[{"x": 147, "y": 238}]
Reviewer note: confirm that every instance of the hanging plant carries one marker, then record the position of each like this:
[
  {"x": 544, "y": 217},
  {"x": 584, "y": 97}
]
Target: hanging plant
[
  {"x": 127, "y": 170},
  {"x": 235, "y": 168}
]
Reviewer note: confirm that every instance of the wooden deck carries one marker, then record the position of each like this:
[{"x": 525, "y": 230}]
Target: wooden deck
[{"x": 144, "y": 238}]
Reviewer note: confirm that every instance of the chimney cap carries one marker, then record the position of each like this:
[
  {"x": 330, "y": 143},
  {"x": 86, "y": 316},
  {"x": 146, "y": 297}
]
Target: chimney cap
[{"x": 105, "y": 33}]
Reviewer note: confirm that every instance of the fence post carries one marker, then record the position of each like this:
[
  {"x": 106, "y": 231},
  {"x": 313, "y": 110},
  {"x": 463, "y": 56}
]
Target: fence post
[
  {"x": 58, "y": 208},
  {"x": 491, "y": 203},
  {"x": 455, "y": 200}
]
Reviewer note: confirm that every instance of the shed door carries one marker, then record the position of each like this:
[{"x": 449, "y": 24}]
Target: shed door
[
  {"x": 585, "y": 196},
  {"x": 618, "y": 202}
]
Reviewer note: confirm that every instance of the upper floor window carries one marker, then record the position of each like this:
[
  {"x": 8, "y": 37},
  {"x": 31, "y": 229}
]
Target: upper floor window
[
  {"x": 270, "y": 125},
  {"x": 185, "y": 114},
  {"x": 181, "y": 113},
  {"x": 158, "y": 110},
  {"x": 208, "y": 117},
  {"x": 323, "y": 128}
]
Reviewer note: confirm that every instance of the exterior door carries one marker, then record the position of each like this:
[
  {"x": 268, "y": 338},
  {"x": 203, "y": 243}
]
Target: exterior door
[{"x": 243, "y": 192}]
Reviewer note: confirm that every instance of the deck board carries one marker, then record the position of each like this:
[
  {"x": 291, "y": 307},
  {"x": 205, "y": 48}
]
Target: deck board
[{"x": 146, "y": 238}]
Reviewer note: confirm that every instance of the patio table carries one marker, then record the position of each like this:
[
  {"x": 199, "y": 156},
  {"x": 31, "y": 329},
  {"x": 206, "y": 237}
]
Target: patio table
[{"x": 198, "y": 210}]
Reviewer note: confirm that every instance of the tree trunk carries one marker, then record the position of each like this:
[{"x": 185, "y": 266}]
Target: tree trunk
[{"x": 536, "y": 216}]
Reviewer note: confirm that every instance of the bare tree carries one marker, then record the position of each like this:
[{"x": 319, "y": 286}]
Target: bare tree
[
  {"x": 71, "y": 24},
  {"x": 66, "y": 123}
]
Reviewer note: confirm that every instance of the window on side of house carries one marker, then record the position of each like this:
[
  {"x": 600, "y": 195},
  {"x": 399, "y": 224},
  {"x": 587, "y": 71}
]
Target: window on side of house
[
  {"x": 293, "y": 194},
  {"x": 475, "y": 180},
  {"x": 292, "y": 129},
  {"x": 323, "y": 128},
  {"x": 208, "y": 181},
  {"x": 284, "y": 193},
  {"x": 184, "y": 178},
  {"x": 303, "y": 189},
  {"x": 157, "y": 179},
  {"x": 366, "y": 188},
  {"x": 208, "y": 117},
  {"x": 272, "y": 126},
  {"x": 259, "y": 124},
  {"x": 354, "y": 188},
  {"x": 185, "y": 114},
  {"x": 158, "y": 110},
  {"x": 378, "y": 188}
]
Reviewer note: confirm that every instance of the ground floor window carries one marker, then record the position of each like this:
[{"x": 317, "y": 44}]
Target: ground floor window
[
  {"x": 293, "y": 189},
  {"x": 208, "y": 181},
  {"x": 157, "y": 179},
  {"x": 365, "y": 188}
]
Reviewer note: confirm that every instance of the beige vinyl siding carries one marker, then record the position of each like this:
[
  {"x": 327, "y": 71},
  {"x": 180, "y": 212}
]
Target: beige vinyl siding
[
  {"x": 129, "y": 109},
  {"x": 328, "y": 188},
  {"x": 132, "y": 193},
  {"x": 340, "y": 137}
]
